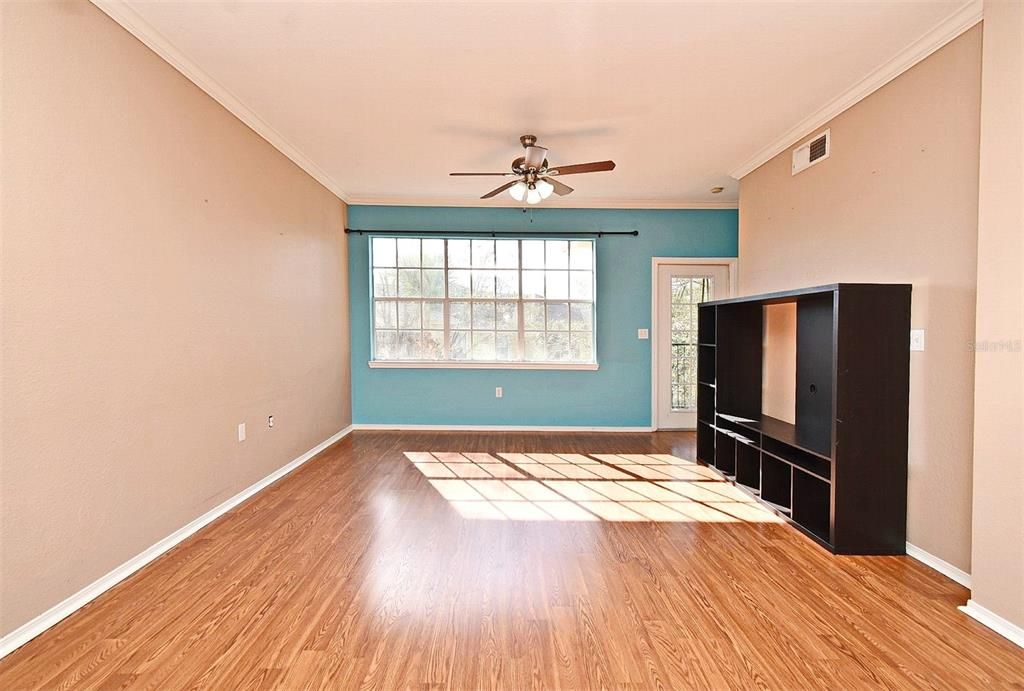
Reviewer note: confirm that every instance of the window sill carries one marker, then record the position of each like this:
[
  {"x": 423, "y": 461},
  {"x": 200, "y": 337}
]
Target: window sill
[{"x": 447, "y": 364}]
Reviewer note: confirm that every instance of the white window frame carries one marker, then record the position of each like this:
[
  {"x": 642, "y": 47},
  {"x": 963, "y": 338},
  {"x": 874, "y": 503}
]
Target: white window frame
[{"x": 520, "y": 301}]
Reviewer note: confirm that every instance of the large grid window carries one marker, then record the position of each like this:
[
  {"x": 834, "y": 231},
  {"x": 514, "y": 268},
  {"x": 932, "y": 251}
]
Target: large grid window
[{"x": 483, "y": 300}]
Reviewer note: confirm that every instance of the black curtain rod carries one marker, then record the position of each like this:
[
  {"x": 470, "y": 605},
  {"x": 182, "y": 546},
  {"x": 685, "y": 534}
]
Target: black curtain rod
[{"x": 495, "y": 233}]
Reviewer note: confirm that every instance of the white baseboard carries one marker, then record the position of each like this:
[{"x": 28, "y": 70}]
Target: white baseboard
[
  {"x": 940, "y": 565},
  {"x": 26, "y": 632},
  {"x": 1004, "y": 627},
  {"x": 493, "y": 428}
]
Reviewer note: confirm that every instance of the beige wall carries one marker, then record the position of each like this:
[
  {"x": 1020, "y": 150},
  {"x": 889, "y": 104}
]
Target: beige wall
[
  {"x": 897, "y": 201},
  {"x": 998, "y": 551},
  {"x": 166, "y": 275}
]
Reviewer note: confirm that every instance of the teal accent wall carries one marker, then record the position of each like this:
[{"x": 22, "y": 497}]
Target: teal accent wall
[{"x": 618, "y": 394}]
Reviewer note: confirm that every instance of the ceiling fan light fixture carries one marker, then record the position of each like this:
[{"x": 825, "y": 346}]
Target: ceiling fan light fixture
[
  {"x": 518, "y": 191},
  {"x": 533, "y": 179}
]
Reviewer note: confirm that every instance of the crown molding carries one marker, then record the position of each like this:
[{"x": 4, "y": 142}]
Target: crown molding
[
  {"x": 549, "y": 203},
  {"x": 122, "y": 13},
  {"x": 942, "y": 33},
  {"x": 126, "y": 16},
  {"x": 952, "y": 26}
]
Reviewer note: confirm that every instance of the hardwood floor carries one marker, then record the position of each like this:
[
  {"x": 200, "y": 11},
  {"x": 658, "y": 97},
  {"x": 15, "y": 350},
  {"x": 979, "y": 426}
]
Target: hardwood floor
[{"x": 355, "y": 572}]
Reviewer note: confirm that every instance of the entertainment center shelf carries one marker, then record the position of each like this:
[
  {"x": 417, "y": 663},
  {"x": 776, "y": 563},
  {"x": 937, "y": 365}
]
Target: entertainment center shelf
[{"x": 838, "y": 472}]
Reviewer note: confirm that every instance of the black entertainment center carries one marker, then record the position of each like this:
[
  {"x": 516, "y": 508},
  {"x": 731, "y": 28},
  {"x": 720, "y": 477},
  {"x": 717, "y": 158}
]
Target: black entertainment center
[{"x": 839, "y": 473}]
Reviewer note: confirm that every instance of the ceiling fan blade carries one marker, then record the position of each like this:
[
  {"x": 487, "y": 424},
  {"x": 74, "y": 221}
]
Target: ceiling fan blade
[
  {"x": 561, "y": 188},
  {"x": 498, "y": 191},
  {"x": 594, "y": 167},
  {"x": 535, "y": 156},
  {"x": 463, "y": 174}
]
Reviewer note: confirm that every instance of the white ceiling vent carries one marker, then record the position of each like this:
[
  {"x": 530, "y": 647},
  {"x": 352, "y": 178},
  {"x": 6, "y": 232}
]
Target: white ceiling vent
[{"x": 815, "y": 150}]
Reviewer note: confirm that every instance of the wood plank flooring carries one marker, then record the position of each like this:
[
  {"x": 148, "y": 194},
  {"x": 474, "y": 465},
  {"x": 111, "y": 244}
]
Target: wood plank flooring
[{"x": 355, "y": 573}]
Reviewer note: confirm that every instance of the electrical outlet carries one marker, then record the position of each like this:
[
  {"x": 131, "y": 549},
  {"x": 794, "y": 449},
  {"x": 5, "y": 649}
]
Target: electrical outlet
[
  {"x": 241, "y": 432},
  {"x": 498, "y": 392},
  {"x": 270, "y": 421},
  {"x": 643, "y": 334},
  {"x": 917, "y": 339}
]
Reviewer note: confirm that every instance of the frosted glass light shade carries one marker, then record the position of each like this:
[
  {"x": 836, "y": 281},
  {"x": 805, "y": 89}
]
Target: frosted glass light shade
[
  {"x": 517, "y": 191},
  {"x": 533, "y": 195},
  {"x": 545, "y": 188}
]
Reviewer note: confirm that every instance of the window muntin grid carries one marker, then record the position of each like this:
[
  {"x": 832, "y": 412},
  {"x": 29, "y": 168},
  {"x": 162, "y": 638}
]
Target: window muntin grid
[
  {"x": 483, "y": 300},
  {"x": 687, "y": 293}
]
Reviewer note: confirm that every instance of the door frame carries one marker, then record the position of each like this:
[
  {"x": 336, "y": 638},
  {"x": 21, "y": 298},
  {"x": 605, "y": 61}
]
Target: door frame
[{"x": 732, "y": 263}]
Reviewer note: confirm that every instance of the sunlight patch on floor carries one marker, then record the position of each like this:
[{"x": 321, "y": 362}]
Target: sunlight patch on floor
[{"x": 659, "y": 488}]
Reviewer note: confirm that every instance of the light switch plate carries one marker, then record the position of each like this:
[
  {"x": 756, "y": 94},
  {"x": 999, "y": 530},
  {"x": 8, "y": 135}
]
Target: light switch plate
[
  {"x": 241, "y": 432},
  {"x": 498, "y": 392},
  {"x": 642, "y": 334},
  {"x": 917, "y": 339}
]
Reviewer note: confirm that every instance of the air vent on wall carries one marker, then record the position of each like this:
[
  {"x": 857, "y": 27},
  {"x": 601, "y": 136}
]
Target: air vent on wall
[{"x": 812, "y": 151}]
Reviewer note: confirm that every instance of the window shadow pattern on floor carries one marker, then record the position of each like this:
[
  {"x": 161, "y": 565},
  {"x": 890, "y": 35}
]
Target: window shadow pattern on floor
[{"x": 660, "y": 488}]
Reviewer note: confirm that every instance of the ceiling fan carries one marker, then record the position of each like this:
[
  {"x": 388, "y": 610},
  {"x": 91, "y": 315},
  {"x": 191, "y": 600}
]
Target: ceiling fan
[{"x": 535, "y": 180}]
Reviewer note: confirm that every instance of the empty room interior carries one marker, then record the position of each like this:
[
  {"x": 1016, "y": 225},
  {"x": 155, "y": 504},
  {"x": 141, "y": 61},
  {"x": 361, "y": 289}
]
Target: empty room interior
[{"x": 512, "y": 345}]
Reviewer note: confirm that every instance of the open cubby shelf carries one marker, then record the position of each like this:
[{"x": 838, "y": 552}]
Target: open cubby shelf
[
  {"x": 706, "y": 404},
  {"x": 781, "y": 431},
  {"x": 811, "y": 503},
  {"x": 706, "y": 325},
  {"x": 748, "y": 466},
  {"x": 776, "y": 482},
  {"x": 725, "y": 453},
  {"x": 705, "y": 442},
  {"x": 838, "y": 472},
  {"x": 706, "y": 364}
]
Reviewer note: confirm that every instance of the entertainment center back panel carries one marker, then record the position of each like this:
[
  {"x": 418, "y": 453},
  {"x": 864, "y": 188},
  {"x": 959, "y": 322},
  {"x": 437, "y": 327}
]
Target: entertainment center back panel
[{"x": 815, "y": 364}]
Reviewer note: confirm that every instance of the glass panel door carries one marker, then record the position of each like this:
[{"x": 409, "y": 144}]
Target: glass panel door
[
  {"x": 680, "y": 289},
  {"x": 687, "y": 293}
]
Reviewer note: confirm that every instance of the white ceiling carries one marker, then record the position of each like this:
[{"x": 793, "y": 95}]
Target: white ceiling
[{"x": 381, "y": 101}]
